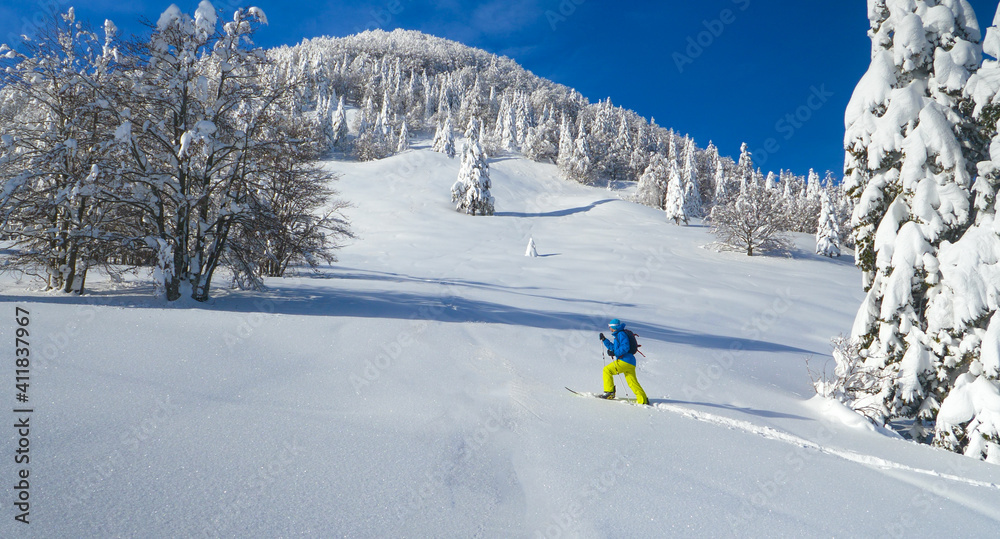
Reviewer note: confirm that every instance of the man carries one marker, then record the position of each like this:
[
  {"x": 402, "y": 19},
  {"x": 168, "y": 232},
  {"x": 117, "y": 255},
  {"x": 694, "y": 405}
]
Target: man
[{"x": 624, "y": 363}]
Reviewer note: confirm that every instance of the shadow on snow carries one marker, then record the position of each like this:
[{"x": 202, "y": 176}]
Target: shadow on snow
[
  {"x": 557, "y": 213},
  {"x": 441, "y": 305}
]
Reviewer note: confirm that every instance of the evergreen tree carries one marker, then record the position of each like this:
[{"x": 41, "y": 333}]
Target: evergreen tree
[
  {"x": 722, "y": 193},
  {"x": 744, "y": 168},
  {"x": 536, "y": 147},
  {"x": 828, "y": 230},
  {"x": 908, "y": 171},
  {"x": 444, "y": 139},
  {"x": 339, "y": 126},
  {"x": 652, "y": 188},
  {"x": 579, "y": 167},
  {"x": 471, "y": 191},
  {"x": 565, "y": 145},
  {"x": 965, "y": 310},
  {"x": 675, "y": 203},
  {"x": 403, "y": 142},
  {"x": 689, "y": 178}
]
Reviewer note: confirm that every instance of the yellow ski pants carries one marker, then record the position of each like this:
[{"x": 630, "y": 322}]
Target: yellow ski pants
[{"x": 620, "y": 367}]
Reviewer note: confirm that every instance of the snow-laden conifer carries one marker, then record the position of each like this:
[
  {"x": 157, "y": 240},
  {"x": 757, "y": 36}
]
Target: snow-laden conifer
[
  {"x": 471, "y": 192},
  {"x": 652, "y": 188},
  {"x": 580, "y": 167},
  {"x": 964, "y": 315},
  {"x": 339, "y": 125},
  {"x": 444, "y": 139},
  {"x": 675, "y": 203},
  {"x": 908, "y": 168},
  {"x": 743, "y": 175},
  {"x": 690, "y": 180},
  {"x": 565, "y": 144},
  {"x": 828, "y": 230},
  {"x": 403, "y": 141}
]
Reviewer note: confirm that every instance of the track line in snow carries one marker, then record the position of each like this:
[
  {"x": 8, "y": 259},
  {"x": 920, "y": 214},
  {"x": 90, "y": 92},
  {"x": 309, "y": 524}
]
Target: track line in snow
[{"x": 771, "y": 433}]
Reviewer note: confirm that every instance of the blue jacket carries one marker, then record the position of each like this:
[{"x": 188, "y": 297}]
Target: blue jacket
[{"x": 619, "y": 347}]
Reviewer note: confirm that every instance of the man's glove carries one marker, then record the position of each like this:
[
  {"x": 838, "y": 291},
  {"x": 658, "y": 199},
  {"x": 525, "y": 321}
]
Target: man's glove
[
  {"x": 612, "y": 354},
  {"x": 602, "y": 337}
]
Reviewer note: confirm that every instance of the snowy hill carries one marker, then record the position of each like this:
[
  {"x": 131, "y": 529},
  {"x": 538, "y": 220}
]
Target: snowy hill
[{"x": 416, "y": 388}]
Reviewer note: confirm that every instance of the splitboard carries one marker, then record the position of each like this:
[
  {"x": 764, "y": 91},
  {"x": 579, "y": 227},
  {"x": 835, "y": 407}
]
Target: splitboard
[{"x": 630, "y": 400}]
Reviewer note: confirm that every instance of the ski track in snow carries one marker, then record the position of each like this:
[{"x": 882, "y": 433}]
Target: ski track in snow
[{"x": 777, "y": 435}]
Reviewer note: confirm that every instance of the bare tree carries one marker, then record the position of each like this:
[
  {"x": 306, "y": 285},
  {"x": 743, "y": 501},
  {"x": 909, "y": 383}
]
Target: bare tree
[
  {"x": 294, "y": 218},
  {"x": 182, "y": 152},
  {"x": 55, "y": 154},
  {"x": 752, "y": 221}
]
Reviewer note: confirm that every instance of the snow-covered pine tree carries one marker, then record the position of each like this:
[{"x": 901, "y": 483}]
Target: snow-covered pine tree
[
  {"x": 771, "y": 182},
  {"x": 536, "y": 147},
  {"x": 506, "y": 127},
  {"x": 339, "y": 125},
  {"x": 964, "y": 315},
  {"x": 324, "y": 122},
  {"x": 620, "y": 152},
  {"x": 828, "y": 229},
  {"x": 908, "y": 171},
  {"x": 384, "y": 128},
  {"x": 652, "y": 188},
  {"x": 689, "y": 178},
  {"x": 675, "y": 203},
  {"x": 813, "y": 186},
  {"x": 565, "y": 144},
  {"x": 523, "y": 118},
  {"x": 580, "y": 167},
  {"x": 403, "y": 142},
  {"x": 722, "y": 193},
  {"x": 471, "y": 191},
  {"x": 444, "y": 139},
  {"x": 744, "y": 168},
  {"x": 474, "y": 103},
  {"x": 369, "y": 142}
]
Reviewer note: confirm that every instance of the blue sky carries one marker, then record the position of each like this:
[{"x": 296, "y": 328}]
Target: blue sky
[{"x": 776, "y": 74}]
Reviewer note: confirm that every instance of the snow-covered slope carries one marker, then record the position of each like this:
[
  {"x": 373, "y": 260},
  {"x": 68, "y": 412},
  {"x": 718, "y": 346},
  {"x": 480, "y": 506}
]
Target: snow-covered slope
[{"x": 416, "y": 389}]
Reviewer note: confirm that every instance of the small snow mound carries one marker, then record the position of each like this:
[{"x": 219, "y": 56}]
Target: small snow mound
[{"x": 836, "y": 410}]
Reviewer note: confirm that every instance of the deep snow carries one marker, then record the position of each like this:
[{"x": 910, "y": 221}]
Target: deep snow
[{"x": 415, "y": 388}]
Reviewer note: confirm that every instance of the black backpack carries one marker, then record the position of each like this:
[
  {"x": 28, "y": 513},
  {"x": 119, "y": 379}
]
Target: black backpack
[{"x": 633, "y": 345}]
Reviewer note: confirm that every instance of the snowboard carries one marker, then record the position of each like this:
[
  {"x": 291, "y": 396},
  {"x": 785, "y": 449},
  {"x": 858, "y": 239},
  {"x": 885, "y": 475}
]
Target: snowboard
[{"x": 629, "y": 400}]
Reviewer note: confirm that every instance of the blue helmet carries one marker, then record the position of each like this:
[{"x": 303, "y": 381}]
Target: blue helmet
[{"x": 616, "y": 324}]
